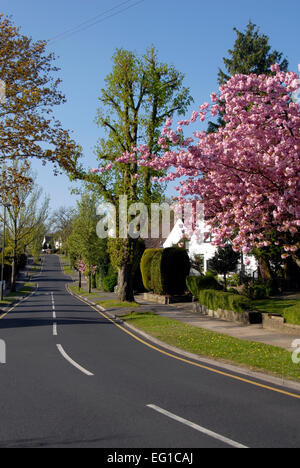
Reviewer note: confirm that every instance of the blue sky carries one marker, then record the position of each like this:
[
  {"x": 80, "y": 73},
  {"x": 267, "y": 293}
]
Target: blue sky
[{"x": 193, "y": 35}]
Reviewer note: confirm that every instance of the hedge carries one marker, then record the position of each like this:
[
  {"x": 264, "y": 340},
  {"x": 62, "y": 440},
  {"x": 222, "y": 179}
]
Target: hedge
[
  {"x": 146, "y": 267},
  {"x": 169, "y": 269},
  {"x": 196, "y": 283},
  {"x": 110, "y": 282},
  {"x": 215, "y": 300},
  {"x": 136, "y": 270}
]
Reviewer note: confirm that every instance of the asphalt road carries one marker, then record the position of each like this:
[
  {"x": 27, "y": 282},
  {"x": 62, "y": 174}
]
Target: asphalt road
[{"x": 135, "y": 397}]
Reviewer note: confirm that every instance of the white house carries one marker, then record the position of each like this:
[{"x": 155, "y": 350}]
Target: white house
[
  {"x": 199, "y": 246},
  {"x": 49, "y": 241}
]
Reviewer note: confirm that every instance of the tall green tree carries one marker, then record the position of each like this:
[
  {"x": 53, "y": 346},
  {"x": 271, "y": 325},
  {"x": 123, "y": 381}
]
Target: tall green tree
[
  {"x": 251, "y": 53},
  {"x": 140, "y": 94},
  {"x": 83, "y": 243},
  {"x": 61, "y": 223},
  {"x": 26, "y": 216},
  {"x": 28, "y": 127},
  {"x": 224, "y": 261}
]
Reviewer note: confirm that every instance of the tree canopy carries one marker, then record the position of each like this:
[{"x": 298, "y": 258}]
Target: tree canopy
[{"x": 28, "y": 127}]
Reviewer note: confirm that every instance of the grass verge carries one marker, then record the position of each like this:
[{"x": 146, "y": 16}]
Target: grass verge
[
  {"x": 256, "y": 356},
  {"x": 81, "y": 291},
  {"x": 112, "y": 304},
  {"x": 26, "y": 289},
  {"x": 68, "y": 270}
]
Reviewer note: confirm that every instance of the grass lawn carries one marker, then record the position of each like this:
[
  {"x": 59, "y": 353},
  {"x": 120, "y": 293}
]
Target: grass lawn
[
  {"x": 12, "y": 297},
  {"x": 274, "y": 306},
  {"x": 112, "y": 304},
  {"x": 288, "y": 308},
  {"x": 257, "y": 356}
]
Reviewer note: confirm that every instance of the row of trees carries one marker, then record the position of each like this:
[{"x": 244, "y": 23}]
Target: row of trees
[
  {"x": 258, "y": 126},
  {"x": 245, "y": 168},
  {"x": 26, "y": 220},
  {"x": 28, "y": 129},
  {"x": 140, "y": 95}
]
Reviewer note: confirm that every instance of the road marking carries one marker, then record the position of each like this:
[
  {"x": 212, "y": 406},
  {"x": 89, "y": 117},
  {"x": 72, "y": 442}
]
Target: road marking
[
  {"x": 64, "y": 354},
  {"x": 196, "y": 364},
  {"x": 54, "y": 315},
  {"x": 198, "y": 428}
]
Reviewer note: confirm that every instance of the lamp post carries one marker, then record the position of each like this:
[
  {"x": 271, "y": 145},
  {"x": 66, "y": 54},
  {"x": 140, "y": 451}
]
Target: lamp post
[{"x": 5, "y": 205}]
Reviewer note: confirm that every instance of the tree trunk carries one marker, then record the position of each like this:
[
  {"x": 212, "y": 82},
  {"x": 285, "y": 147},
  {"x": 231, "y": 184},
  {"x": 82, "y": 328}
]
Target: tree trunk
[
  {"x": 265, "y": 269},
  {"x": 79, "y": 281},
  {"x": 90, "y": 283},
  {"x": 125, "y": 283},
  {"x": 296, "y": 260}
]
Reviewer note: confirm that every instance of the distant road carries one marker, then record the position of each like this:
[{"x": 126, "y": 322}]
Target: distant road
[{"x": 74, "y": 379}]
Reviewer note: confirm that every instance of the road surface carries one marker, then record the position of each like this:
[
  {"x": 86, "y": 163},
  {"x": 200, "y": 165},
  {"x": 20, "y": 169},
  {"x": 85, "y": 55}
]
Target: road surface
[{"x": 75, "y": 379}]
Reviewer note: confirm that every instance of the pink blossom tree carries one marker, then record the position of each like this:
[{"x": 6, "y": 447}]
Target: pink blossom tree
[{"x": 247, "y": 173}]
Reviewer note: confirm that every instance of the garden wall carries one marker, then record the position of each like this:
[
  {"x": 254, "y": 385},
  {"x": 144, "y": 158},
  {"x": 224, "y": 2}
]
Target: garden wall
[
  {"x": 277, "y": 323},
  {"x": 246, "y": 318}
]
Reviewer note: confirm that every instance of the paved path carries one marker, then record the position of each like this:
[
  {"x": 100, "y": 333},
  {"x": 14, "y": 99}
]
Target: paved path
[
  {"x": 74, "y": 378},
  {"x": 184, "y": 313}
]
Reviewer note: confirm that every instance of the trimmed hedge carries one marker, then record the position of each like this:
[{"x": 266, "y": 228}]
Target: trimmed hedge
[
  {"x": 155, "y": 271},
  {"x": 146, "y": 267},
  {"x": 215, "y": 300},
  {"x": 196, "y": 283},
  {"x": 136, "y": 270},
  {"x": 169, "y": 269},
  {"x": 164, "y": 271}
]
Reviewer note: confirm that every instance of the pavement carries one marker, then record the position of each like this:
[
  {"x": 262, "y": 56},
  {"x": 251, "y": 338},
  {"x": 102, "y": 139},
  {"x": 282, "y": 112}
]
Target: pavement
[
  {"x": 183, "y": 312},
  {"x": 74, "y": 377}
]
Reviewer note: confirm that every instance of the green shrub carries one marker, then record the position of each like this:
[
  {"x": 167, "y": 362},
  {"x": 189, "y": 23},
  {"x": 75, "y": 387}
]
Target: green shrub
[
  {"x": 146, "y": 267},
  {"x": 233, "y": 280},
  {"x": 136, "y": 270},
  {"x": 212, "y": 273},
  {"x": 233, "y": 291},
  {"x": 196, "y": 283},
  {"x": 292, "y": 314},
  {"x": 110, "y": 282},
  {"x": 215, "y": 300},
  {"x": 21, "y": 261},
  {"x": 272, "y": 288},
  {"x": 175, "y": 267},
  {"x": 169, "y": 269},
  {"x": 259, "y": 291}
]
